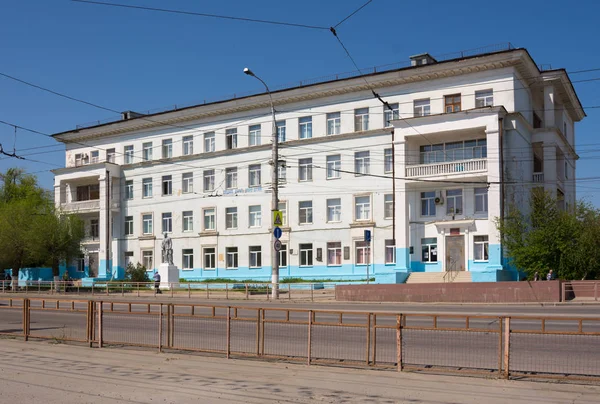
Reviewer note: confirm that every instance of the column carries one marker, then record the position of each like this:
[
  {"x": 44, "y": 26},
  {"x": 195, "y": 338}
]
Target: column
[
  {"x": 549, "y": 106},
  {"x": 494, "y": 195},
  {"x": 550, "y": 171},
  {"x": 104, "y": 264},
  {"x": 402, "y": 235}
]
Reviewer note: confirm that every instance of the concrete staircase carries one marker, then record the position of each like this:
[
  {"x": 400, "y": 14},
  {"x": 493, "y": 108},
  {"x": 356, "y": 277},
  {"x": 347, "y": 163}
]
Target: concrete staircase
[{"x": 439, "y": 277}]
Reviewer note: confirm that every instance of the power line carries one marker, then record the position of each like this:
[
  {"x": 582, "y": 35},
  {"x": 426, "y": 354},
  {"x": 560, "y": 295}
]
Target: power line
[
  {"x": 197, "y": 14},
  {"x": 354, "y": 12}
]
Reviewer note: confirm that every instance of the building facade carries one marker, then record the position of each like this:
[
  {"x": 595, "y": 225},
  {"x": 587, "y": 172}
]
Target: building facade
[{"x": 465, "y": 138}]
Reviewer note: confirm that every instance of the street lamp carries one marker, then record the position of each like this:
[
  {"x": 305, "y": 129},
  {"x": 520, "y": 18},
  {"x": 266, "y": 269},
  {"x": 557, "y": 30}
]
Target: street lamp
[{"x": 275, "y": 185}]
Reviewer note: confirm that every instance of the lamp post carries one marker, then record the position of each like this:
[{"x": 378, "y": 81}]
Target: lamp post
[{"x": 275, "y": 185}]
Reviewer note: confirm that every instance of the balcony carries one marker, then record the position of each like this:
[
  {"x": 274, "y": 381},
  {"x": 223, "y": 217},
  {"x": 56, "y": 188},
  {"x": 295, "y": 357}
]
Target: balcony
[
  {"x": 82, "y": 206},
  {"x": 538, "y": 178},
  {"x": 450, "y": 168}
]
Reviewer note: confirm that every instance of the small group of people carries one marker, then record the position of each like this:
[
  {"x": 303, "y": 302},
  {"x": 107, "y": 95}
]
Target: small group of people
[{"x": 549, "y": 276}]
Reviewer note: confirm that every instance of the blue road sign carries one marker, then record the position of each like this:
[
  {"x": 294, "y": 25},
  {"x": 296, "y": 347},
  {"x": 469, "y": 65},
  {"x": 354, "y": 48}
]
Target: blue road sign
[
  {"x": 368, "y": 236},
  {"x": 277, "y": 232}
]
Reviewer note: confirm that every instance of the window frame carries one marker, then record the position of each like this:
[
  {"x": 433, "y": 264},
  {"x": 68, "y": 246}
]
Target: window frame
[
  {"x": 283, "y": 256},
  {"x": 167, "y": 218},
  {"x": 484, "y": 98},
  {"x": 281, "y": 132},
  {"x": 334, "y": 123},
  {"x": 388, "y": 206},
  {"x": 231, "y": 178},
  {"x": 362, "y": 249},
  {"x": 427, "y": 199},
  {"x": 255, "y": 257},
  {"x": 231, "y": 217},
  {"x": 212, "y": 258},
  {"x": 188, "y": 145},
  {"x": 283, "y": 212},
  {"x": 455, "y": 198},
  {"x": 147, "y": 151},
  {"x": 229, "y": 251},
  {"x": 362, "y": 163},
  {"x": 187, "y": 265},
  {"x": 254, "y": 216},
  {"x": 305, "y": 170},
  {"x": 481, "y": 195},
  {"x": 306, "y": 254},
  {"x": 390, "y": 245},
  {"x": 453, "y": 103},
  {"x": 361, "y": 119},
  {"x": 128, "y": 226},
  {"x": 147, "y": 218},
  {"x": 167, "y": 180},
  {"x": 254, "y": 173},
  {"x": 390, "y": 115},
  {"x": 308, "y": 211},
  {"x": 187, "y": 221},
  {"x": 209, "y": 142},
  {"x": 187, "y": 183},
  {"x": 336, "y": 248},
  {"x": 334, "y": 165},
  {"x": 213, "y": 221},
  {"x": 388, "y": 160},
  {"x": 128, "y": 152},
  {"x": 147, "y": 186},
  {"x": 305, "y": 127},
  {"x": 422, "y": 107},
  {"x": 129, "y": 190},
  {"x": 231, "y": 141},
  {"x": 333, "y": 209},
  {"x": 254, "y": 135},
  {"x": 426, "y": 242},
  {"x": 208, "y": 180},
  {"x": 362, "y": 205},
  {"x": 167, "y": 148},
  {"x": 481, "y": 242},
  {"x": 145, "y": 257}
]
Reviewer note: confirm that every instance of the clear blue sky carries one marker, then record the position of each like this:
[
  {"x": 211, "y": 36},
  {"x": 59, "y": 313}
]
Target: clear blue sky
[{"x": 139, "y": 60}]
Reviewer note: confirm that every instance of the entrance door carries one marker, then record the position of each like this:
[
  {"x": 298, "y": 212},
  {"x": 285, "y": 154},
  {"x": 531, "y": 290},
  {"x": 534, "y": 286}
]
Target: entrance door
[
  {"x": 93, "y": 265},
  {"x": 455, "y": 253}
]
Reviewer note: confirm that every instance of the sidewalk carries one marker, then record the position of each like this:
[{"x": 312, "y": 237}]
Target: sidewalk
[{"x": 67, "y": 374}]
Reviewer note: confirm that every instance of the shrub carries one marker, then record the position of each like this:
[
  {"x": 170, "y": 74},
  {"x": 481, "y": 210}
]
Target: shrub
[{"x": 136, "y": 273}]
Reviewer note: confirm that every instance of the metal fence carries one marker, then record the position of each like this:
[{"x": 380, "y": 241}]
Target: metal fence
[
  {"x": 494, "y": 346},
  {"x": 229, "y": 291},
  {"x": 581, "y": 290}
]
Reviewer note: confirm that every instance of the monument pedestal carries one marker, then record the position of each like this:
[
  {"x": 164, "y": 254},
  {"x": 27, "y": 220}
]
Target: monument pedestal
[{"x": 169, "y": 276}]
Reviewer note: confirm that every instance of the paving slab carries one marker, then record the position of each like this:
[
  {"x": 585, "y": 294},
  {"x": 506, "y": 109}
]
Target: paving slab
[{"x": 68, "y": 374}]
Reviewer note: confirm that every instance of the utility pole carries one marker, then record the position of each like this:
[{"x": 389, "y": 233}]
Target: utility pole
[{"x": 275, "y": 189}]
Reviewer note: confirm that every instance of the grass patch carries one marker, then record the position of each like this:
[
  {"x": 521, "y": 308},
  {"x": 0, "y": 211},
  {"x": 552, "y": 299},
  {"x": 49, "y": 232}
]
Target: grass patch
[{"x": 282, "y": 281}]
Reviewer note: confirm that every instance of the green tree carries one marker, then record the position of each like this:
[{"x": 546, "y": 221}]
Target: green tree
[
  {"x": 568, "y": 242},
  {"x": 136, "y": 273}
]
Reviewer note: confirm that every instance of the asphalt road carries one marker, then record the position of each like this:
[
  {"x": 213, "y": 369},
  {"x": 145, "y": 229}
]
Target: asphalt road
[{"x": 286, "y": 333}]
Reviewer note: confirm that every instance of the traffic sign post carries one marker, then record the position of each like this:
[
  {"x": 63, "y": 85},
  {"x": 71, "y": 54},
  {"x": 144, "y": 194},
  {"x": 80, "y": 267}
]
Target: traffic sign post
[
  {"x": 367, "y": 238},
  {"x": 277, "y": 245},
  {"x": 277, "y": 218},
  {"x": 277, "y": 232}
]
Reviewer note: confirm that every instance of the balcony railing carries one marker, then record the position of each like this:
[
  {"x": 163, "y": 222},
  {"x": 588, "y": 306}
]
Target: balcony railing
[
  {"x": 447, "y": 168},
  {"x": 538, "y": 177},
  {"x": 82, "y": 205}
]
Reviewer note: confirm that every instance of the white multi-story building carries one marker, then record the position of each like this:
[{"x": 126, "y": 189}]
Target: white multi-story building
[{"x": 472, "y": 136}]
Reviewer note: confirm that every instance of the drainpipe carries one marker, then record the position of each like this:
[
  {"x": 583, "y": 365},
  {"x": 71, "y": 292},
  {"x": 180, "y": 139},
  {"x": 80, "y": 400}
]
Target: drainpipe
[
  {"x": 393, "y": 197},
  {"x": 502, "y": 195},
  {"x": 107, "y": 203}
]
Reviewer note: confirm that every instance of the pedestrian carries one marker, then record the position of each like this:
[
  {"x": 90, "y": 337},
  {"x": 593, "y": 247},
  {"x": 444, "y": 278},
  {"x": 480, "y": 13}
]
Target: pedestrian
[
  {"x": 536, "y": 276},
  {"x": 550, "y": 276},
  {"x": 157, "y": 282}
]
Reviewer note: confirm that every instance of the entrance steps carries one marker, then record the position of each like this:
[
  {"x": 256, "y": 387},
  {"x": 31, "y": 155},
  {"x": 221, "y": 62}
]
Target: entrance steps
[{"x": 439, "y": 277}]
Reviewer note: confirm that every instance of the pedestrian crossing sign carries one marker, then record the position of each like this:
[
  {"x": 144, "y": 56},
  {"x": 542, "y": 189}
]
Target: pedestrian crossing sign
[{"x": 277, "y": 218}]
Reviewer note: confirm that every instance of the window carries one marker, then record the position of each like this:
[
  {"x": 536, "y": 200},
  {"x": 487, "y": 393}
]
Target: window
[
  {"x": 147, "y": 151},
  {"x": 210, "y": 258},
  {"x": 388, "y": 161},
  {"x": 282, "y": 207},
  {"x": 429, "y": 249},
  {"x": 454, "y": 151},
  {"x": 254, "y": 135},
  {"x": 88, "y": 192},
  {"x": 231, "y": 255},
  {"x": 95, "y": 156},
  {"x": 231, "y": 176},
  {"x": 167, "y": 222},
  {"x": 209, "y": 142},
  {"x": 363, "y": 253},
  {"x": 388, "y": 206},
  {"x": 362, "y": 207},
  {"x": 94, "y": 229},
  {"x": 389, "y": 115},
  {"x": 188, "y": 145},
  {"x": 306, "y": 212},
  {"x": 148, "y": 259},
  {"x": 78, "y": 160},
  {"x": 167, "y": 185},
  {"x": 454, "y": 202},
  {"x": 333, "y": 123},
  {"x": 147, "y": 187},
  {"x": 428, "y": 203},
  {"x": 187, "y": 180},
  {"x": 129, "y": 189},
  {"x": 481, "y": 248},
  {"x": 361, "y": 119},
  {"x": 128, "y": 152},
  {"x": 129, "y": 225},
  {"x": 305, "y": 127},
  {"x": 390, "y": 252},
  {"x": 231, "y": 138},
  {"x": 334, "y": 254},
  {"x": 421, "y": 107},
  {"x": 80, "y": 264},
  {"x": 147, "y": 223},
  {"x": 481, "y": 200},
  {"x": 537, "y": 121},
  {"x": 361, "y": 163},
  {"x": 209, "y": 180},
  {"x": 282, "y": 174},
  {"x": 210, "y": 220},
  {"x": 305, "y": 169},
  {"x": 280, "y": 131},
  {"x": 231, "y": 219},
  {"x": 188, "y": 220},
  {"x": 255, "y": 216},
  {"x": 254, "y": 175},
  {"x": 167, "y": 148},
  {"x": 452, "y": 103},
  {"x": 255, "y": 257},
  {"x": 110, "y": 155},
  {"x": 334, "y": 210},
  {"x": 283, "y": 257},
  {"x": 188, "y": 258},
  {"x": 484, "y": 98},
  {"x": 334, "y": 164},
  {"x": 306, "y": 255}
]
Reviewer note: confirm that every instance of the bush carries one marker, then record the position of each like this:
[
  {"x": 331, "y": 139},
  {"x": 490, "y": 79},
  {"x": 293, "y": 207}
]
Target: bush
[{"x": 136, "y": 273}]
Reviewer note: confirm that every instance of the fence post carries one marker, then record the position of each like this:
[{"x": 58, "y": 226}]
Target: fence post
[
  {"x": 262, "y": 332},
  {"x": 507, "y": 347},
  {"x": 563, "y": 290},
  {"x": 289, "y": 291},
  {"x": 207, "y": 293},
  {"x": 312, "y": 288},
  {"x": 309, "y": 347},
  {"x": 258, "y": 332},
  {"x": 90, "y": 320},
  {"x": 100, "y": 311},
  {"x": 122, "y": 290},
  {"x": 228, "y": 331},
  {"x": 168, "y": 325},
  {"x": 399, "y": 342},
  {"x": 246, "y": 291},
  {"x": 189, "y": 292},
  {"x": 500, "y": 339},
  {"x": 92, "y": 288},
  {"x": 25, "y": 319},
  {"x": 368, "y": 347},
  {"x": 374, "y": 339},
  {"x": 138, "y": 289},
  {"x": 160, "y": 327},
  {"x": 172, "y": 286},
  {"x": 227, "y": 291}
]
